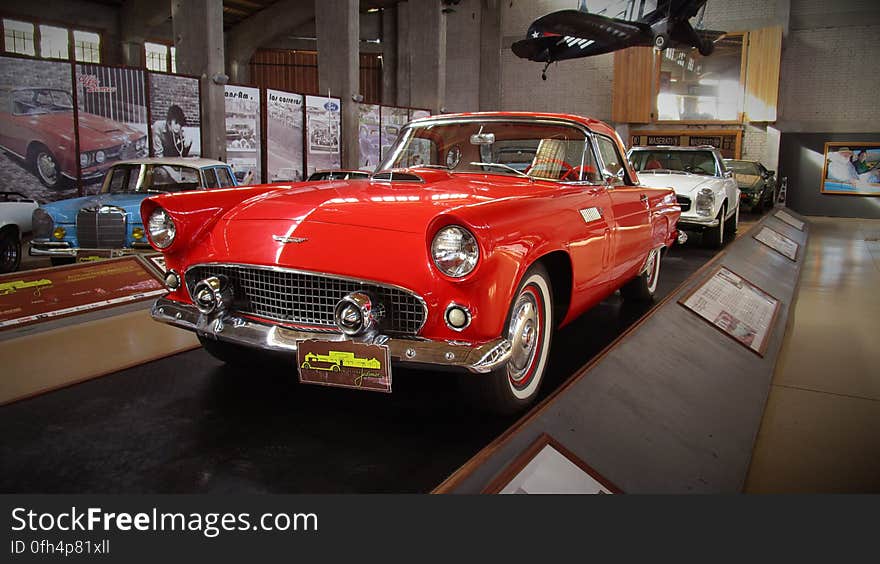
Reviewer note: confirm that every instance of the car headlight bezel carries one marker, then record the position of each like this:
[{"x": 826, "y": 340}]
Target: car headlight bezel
[
  {"x": 455, "y": 251},
  {"x": 704, "y": 204},
  {"x": 161, "y": 228},
  {"x": 42, "y": 224}
]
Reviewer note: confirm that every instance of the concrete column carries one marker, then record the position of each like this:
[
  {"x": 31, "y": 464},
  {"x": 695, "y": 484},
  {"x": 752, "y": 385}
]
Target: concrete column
[
  {"x": 490, "y": 55},
  {"x": 198, "y": 37},
  {"x": 404, "y": 54},
  {"x": 338, "y": 31},
  {"x": 389, "y": 56},
  {"x": 427, "y": 43}
]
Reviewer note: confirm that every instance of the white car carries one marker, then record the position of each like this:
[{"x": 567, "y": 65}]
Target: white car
[
  {"x": 15, "y": 221},
  {"x": 706, "y": 190}
]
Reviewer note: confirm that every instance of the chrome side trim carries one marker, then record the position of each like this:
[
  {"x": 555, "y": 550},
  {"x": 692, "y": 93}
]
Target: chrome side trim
[
  {"x": 421, "y": 300},
  {"x": 443, "y": 355}
]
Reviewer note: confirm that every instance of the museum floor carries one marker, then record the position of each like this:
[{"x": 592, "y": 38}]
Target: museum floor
[{"x": 819, "y": 431}]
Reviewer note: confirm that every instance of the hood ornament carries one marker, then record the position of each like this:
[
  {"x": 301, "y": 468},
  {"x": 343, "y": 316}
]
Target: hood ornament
[{"x": 285, "y": 240}]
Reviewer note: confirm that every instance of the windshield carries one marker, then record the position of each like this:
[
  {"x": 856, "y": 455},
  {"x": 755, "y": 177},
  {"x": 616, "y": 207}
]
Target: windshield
[
  {"x": 516, "y": 148},
  {"x": 743, "y": 167},
  {"x": 696, "y": 162},
  {"x": 148, "y": 178},
  {"x": 41, "y": 101}
]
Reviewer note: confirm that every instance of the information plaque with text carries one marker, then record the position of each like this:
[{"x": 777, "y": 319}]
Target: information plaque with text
[
  {"x": 787, "y": 218},
  {"x": 736, "y": 307},
  {"x": 778, "y": 242}
]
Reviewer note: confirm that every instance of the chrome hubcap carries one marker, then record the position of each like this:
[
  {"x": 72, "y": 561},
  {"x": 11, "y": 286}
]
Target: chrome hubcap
[
  {"x": 46, "y": 166},
  {"x": 524, "y": 334}
]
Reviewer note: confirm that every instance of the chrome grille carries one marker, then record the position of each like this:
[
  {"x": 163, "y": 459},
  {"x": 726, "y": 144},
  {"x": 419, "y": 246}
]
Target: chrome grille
[
  {"x": 304, "y": 298},
  {"x": 97, "y": 229},
  {"x": 684, "y": 202}
]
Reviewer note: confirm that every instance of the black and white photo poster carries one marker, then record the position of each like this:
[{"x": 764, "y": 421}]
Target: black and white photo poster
[
  {"x": 176, "y": 115},
  {"x": 284, "y": 136},
  {"x": 368, "y": 136},
  {"x": 112, "y": 119},
  {"x": 243, "y": 132},
  {"x": 323, "y": 126},
  {"x": 37, "y": 146}
]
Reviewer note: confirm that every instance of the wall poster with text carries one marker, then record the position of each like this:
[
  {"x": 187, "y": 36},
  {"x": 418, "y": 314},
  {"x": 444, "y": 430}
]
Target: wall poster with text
[
  {"x": 284, "y": 136},
  {"x": 368, "y": 136},
  {"x": 112, "y": 119},
  {"x": 393, "y": 120},
  {"x": 37, "y": 145},
  {"x": 323, "y": 131},
  {"x": 175, "y": 114},
  {"x": 243, "y": 147}
]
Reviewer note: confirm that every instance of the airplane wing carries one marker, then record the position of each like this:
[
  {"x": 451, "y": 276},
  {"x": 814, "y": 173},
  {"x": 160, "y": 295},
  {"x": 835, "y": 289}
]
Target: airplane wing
[
  {"x": 601, "y": 29},
  {"x": 558, "y": 48}
]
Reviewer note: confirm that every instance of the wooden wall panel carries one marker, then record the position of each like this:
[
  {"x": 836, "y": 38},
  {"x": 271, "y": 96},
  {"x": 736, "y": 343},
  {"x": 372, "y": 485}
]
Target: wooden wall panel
[
  {"x": 762, "y": 73},
  {"x": 633, "y": 96},
  {"x": 297, "y": 71}
]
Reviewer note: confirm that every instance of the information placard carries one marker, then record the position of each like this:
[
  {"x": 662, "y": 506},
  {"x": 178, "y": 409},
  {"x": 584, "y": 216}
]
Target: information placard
[
  {"x": 787, "y": 218},
  {"x": 50, "y": 293},
  {"x": 547, "y": 467},
  {"x": 735, "y": 306},
  {"x": 778, "y": 242}
]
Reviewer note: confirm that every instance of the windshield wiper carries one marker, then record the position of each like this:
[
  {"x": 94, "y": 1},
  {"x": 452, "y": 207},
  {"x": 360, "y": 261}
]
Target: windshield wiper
[{"x": 505, "y": 167}]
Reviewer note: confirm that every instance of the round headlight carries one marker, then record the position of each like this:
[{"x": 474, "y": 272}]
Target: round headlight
[
  {"x": 84, "y": 159},
  {"x": 100, "y": 156},
  {"x": 455, "y": 251},
  {"x": 162, "y": 229},
  {"x": 41, "y": 223}
]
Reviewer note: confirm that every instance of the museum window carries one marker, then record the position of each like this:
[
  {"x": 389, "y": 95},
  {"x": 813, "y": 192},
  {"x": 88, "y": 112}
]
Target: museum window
[
  {"x": 48, "y": 41},
  {"x": 18, "y": 37},
  {"x": 54, "y": 42},
  {"x": 160, "y": 57},
  {"x": 693, "y": 88},
  {"x": 87, "y": 46}
]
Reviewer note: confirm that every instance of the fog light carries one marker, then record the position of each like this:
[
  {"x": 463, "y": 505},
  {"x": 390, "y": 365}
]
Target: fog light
[
  {"x": 172, "y": 280},
  {"x": 137, "y": 233},
  {"x": 211, "y": 294},
  {"x": 59, "y": 233},
  {"x": 357, "y": 313},
  {"x": 457, "y": 317}
]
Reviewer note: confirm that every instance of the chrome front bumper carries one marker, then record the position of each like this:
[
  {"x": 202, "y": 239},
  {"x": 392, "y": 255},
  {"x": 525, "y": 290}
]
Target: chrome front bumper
[
  {"x": 437, "y": 355},
  {"x": 696, "y": 222},
  {"x": 63, "y": 249}
]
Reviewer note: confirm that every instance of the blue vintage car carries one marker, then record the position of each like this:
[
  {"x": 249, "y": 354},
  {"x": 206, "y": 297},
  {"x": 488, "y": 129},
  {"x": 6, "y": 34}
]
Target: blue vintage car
[{"x": 109, "y": 223}]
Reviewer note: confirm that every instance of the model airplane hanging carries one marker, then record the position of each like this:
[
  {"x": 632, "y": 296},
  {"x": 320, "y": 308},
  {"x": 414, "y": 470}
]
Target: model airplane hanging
[{"x": 570, "y": 34}]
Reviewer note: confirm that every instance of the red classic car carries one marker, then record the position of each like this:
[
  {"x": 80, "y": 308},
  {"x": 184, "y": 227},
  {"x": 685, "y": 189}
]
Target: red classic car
[
  {"x": 36, "y": 124},
  {"x": 464, "y": 263}
]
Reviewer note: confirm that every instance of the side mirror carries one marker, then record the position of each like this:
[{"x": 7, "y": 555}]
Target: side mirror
[{"x": 728, "y": 174}]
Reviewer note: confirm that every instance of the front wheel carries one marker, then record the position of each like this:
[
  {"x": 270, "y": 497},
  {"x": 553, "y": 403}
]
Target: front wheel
[
  {"x": 732, "y": 224},
  {"x": 714, "y": 236},
  {"x": 529, "y": 329},
  {"x": 46, "y": 168},
  {"x": 643, "y": 287},
  {"x": 10, "y": 252}
]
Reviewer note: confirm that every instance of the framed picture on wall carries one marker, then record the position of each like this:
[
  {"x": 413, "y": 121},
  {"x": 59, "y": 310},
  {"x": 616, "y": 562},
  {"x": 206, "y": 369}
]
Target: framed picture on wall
[{"x": 851, "y": 168}]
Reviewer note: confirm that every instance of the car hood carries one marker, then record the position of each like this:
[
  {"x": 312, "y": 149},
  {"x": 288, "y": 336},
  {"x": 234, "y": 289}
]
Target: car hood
[
  {"x": 747, "y": 180},
  {"x": 396, "y": 206},
  {"x": 64, "y": 211},
  {"x": 97, "y": 129},
  {"x": 684, "y": 184}
]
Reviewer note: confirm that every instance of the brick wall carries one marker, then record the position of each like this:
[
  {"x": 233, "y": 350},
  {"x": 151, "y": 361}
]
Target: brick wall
[
  {"x": 16, "y": 72},
  {"x": 169, "y": 89},
  {"x": 754, "y": 144}
]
